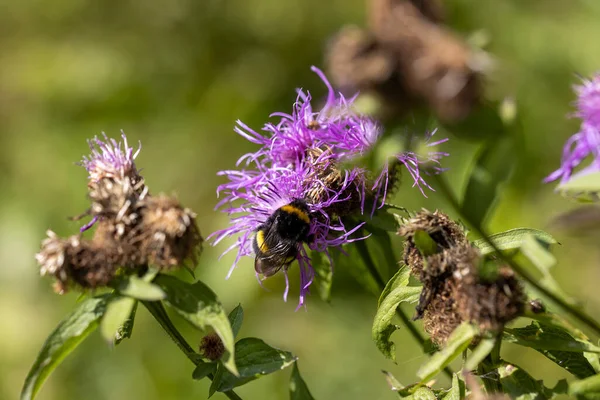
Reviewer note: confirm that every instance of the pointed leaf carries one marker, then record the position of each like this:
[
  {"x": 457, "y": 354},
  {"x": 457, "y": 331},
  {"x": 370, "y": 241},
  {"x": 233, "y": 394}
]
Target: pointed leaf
[
  {"x": 557, "y": 345},
  {"x": 253, "y": 358},
  {"x": 203, "y": 369},
  {"x": 298, "y": 388},
  {"x": 457, "y": 392},
  {"x": 125, "y": 330},
  {"x": 236, "y": 317},
  {"x": 456, "y": 344},
  {"x": 118, "y": 312},
  {"x": 512, "y": 239},
  {"x": 399, "y": 279},
  {"x": 140, "y": 289},
  {"x": 518, "y": 384},
  {"x": 199, "y": 305},
  {"x": 63, "y": 340},
  {"x": 479, "y": 353},
  {"x": 492, "y": 167},
  {"x": 382, "y": 324}
]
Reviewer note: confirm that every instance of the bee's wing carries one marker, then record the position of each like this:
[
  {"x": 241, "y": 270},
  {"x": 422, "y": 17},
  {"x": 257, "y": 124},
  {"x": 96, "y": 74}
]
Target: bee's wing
[{"x": 276, "y": 257}]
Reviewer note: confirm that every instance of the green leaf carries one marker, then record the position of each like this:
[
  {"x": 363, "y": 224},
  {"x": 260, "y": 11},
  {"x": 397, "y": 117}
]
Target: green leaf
[
  {"x": 584, "y": 188},
  {"x": 424, "y": 243},
  {"x": 199, "y": 305},
  {"x": 457, "y": 392},
  {"x": 543, "y": 261},
  {"x": 392, "y": 382},
  {"x": 456, "y": 344},
  {"x": 382, "y": 324},
  {"x": 512, "y": 239},
  {"x": 323, "y": 272},
  {"x": 401, "y": 278},
  {"x": 492, "y": 167},
  {"x": 203, "y": 369},
  {"x": 63, "y": 340},
  {"x": 586, "y": 386},
  {"x": 140, "y": 289},
  {"x": 236, "y": 317},
  {"x": 253, "y": 358},
  {"x": 541, "y": 336},
  {"x": 480, "y": 352},
  {"x": 298, "y": 388},
  {"x": 518, "y": 384},
  {"x": 557, "y": 345},
  {"x": 125, "y": 330},
  {"x": 118, "y": 312},
  {"x": 422, "y": 393}
]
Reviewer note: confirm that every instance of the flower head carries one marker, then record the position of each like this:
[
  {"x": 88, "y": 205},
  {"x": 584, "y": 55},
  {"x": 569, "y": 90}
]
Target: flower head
[
  {"x": 308, "y": 156},
  {"x": 110, "y": 159},
  {"x": 588, "y": 101},
  {"x": 262, "y": 193},
  {"x": 586, "y": 142}
]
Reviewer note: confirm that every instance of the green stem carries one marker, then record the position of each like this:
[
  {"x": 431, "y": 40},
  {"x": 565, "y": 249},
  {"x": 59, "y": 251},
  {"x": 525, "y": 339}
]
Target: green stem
[
  {"x": 160, "y": 315},
  {"x": 581, "y": 316},
  {"x": 363, "y": 251}
]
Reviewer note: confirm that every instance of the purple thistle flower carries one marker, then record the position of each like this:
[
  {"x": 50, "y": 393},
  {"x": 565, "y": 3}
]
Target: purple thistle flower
[
  {"x": 259, "y": 193},
  {"x": 586, "y": 142},
  {"x": 588, "y": 101},
  {"x": 336, "y": 126},
  {"x": 110, "y": 159},
  {"x": 301, "y": 157}
]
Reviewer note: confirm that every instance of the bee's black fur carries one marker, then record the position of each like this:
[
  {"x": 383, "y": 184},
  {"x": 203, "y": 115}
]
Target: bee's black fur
[{"x": 281, "y": 235}]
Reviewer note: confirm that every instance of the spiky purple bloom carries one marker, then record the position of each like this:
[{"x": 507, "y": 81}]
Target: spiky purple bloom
[
  {"x": 110, "y": 159},
  {"x": 337, "y": 126},
  {"x": 586, "y": 142},
  {"x": 300, "y": 157},
  {"x": 113, "y": 160},
  {"x": 261, "y": 193}
]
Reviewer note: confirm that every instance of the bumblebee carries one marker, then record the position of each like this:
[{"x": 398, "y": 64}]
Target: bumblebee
[{"x": 276, "y": 241}]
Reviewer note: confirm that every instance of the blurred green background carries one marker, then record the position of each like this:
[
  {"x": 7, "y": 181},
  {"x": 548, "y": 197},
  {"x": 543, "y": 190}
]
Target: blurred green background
[{"x": 176, "y": 75}]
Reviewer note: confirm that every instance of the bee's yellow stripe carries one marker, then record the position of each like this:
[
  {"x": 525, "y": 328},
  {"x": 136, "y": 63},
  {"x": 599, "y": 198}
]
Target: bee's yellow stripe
[
  {"x": 260, "y": 241},
  {"x": 298, "y": 212}
]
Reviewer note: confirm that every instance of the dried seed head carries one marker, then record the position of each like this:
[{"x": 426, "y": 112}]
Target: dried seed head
[
  {"x": 406, "y": 57},
  {"x": 491, "y": 305},
  {"x": 77, "y": 261},
  {"x": 167, "y": 234},
  {"x": 440, "y": 317},
  {"x": 326, "y": 177},
  {"x": 212, "y": 347},
  {"x": 445, "y": 232},
  {"x": 453, "y": 264}
]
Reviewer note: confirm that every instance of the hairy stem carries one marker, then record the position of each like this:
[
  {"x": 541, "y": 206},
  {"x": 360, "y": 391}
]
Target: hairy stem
[
  {"x": 581, "y": 316},
  {"x": 160, "y": 314},
  {"x": 363, "y": 251}
]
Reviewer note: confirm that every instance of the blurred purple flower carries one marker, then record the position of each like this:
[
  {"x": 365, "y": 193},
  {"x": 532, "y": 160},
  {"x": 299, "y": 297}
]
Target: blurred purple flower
[
  {"x": 586, "y": 142},
  {"x": 110, "y": 159},
  {"x": 259, "y": 193}
]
